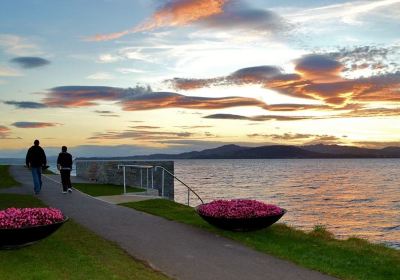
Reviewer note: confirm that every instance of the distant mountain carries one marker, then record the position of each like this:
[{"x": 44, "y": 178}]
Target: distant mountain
[
  {"x": 276, "y": 151},
  {"x": 356, "y": 152}
]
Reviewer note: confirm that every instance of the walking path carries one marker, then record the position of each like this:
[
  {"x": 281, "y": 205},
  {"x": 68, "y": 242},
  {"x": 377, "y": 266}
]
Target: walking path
[{"x": 178, "y": 250}]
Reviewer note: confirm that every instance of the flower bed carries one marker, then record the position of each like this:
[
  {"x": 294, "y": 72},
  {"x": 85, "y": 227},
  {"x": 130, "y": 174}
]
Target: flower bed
[
  {"x": 240, "y": 214},
  {"x": 13, "y": 218},
  {"x": 23, "y": 226}
]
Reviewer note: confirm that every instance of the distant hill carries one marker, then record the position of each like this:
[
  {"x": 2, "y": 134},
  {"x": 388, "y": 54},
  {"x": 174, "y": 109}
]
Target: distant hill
[{"x": 276, "y": 151}]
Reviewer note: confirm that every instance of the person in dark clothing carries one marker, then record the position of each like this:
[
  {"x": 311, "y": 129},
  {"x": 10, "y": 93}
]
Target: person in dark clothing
[
  {"x": 64, "y": 164},
  {"x": 36, "y": 160}
]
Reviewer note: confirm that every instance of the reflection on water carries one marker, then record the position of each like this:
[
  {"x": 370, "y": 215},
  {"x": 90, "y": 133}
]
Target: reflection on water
[{"x": 351, "y": 197}]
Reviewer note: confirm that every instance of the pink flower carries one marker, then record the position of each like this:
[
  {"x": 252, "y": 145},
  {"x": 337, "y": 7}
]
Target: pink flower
[
  {"x": 12, "y": 218},
  {"x": 238, "y": 209}
]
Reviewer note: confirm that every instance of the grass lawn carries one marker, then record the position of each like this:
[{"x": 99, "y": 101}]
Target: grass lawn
[
  {"x": 6, "y": 180},
  {"x": 72, "y": 252},
  {"x": 104, "y": 189},
  {"x": 346, "y": 259}
]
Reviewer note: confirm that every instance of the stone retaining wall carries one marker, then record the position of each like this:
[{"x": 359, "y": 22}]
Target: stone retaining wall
[{"x": 107, "y": 172}]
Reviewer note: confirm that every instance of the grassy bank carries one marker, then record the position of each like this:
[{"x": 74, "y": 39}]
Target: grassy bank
[
  {"x": 104, "y": 189},
  {"x": 6, "y": 180},
  {"x": 73, "y": 252},
  {"x": 347, "y": 259}
]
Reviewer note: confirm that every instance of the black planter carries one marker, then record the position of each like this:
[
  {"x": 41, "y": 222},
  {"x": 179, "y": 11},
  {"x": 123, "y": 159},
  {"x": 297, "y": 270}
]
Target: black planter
[
  {"x": 237, "y": 224},
  {"x": 15, "y": 238}
]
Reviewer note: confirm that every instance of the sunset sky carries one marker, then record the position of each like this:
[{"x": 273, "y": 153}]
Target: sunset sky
[{"x": 128, "y": 77}]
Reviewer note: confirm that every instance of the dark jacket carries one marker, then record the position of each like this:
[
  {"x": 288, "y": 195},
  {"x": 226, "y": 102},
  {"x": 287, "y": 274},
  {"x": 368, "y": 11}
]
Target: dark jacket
[
  {"x": 35, "y": 157},
  {"x": 64, "y": 160}
]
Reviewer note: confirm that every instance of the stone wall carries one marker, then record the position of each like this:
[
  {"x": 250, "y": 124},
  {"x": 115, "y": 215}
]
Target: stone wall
[{"x": 107, "y": 172}]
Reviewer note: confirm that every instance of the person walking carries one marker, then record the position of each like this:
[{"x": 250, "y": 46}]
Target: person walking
[
  {"x": 36, "y": 160},
  {"x": 64, "y": 164}
]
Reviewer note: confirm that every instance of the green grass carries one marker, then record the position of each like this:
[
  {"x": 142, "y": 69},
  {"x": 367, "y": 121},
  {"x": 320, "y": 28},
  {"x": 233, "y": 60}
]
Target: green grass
[
  {"x": 6, "y": 180},
  {"x": 347, "y": 259},
  {"x": 72, "y": 252},
  {"x": 104, "y": 189}
]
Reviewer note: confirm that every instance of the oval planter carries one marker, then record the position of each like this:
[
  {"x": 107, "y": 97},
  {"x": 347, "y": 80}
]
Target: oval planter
[
  {"x": 242, "y": 224},
  {"x": 19, "y": 237}
]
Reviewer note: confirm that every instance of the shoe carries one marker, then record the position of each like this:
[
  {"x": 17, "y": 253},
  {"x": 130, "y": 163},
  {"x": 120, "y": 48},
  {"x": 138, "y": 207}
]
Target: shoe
[
  {"x": 64, "y": 192},
  {"x": 69, "y": 190}
]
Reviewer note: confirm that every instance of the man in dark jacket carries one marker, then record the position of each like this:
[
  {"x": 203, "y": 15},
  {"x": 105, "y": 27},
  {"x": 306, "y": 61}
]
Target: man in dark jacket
[
  {"x": 64, "y": 164},
  {"x": 36, "y": 160}
]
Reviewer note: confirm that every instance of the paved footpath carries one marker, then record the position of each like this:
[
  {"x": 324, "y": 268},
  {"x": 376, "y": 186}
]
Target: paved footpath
[{"x": 178, "y": 250}]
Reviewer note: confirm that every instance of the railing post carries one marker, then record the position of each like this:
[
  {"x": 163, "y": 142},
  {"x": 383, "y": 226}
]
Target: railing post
[
  {"x": 147, "y": 178},
  {"x": 123, "y": 169},
  {"x": 152, "y": 178},
  {"x": 188, "y": 197},
  {"x": 162, "y": 183}
]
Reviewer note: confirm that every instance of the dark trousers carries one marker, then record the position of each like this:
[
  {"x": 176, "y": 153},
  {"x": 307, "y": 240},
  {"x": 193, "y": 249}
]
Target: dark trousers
[{"x": 65, "y": 179}]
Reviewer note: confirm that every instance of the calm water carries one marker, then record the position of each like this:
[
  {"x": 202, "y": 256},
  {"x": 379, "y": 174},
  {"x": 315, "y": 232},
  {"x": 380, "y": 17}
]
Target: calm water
[{"x": 351, "y": 197}]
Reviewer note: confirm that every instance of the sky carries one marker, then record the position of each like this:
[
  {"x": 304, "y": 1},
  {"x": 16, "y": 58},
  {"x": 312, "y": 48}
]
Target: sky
[{"x": 134, "y": 77}]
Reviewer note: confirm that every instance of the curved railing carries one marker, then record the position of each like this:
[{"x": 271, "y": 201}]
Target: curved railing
[
  {"x": 188, "y": 188},
  {"x": 150, "y": 167}
]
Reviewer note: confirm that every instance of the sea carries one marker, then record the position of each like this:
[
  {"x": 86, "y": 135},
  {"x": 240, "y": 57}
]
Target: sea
[{"x": 349, "y": 197}]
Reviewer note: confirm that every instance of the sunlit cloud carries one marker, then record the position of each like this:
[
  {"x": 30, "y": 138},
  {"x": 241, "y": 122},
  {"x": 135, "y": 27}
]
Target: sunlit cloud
[
  {"x": 9, "y": 72},
  {"x": 318, "y": 78},
  {"x": 34, "y": 124},
  {"x": 298, "y": 138},
  {"x": 81, "y": 96},
  {"x": 260, "y": 118},
  {"x": 220, "y": 14},
  {"x": 4, "y": 132},
  {"x": 139, "y": 135},
  {"x": 173, "y": 13},
  {"x": 139, "y": 98},
  {"x": 144, "y": 127},
  {"x": 347, "y": 12},
  {"x": 17, "y": 45},
  {"x": 102, "y": 76},
  {"x": 29, "y": 62},
  {"x": 26, "y": 104}
]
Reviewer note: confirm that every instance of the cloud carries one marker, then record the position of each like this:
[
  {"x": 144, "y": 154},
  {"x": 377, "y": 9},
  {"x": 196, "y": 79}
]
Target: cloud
[
  {"x": 139, "y": 98},
  {"x": 240, "y": 17},
  {"x": 26, "y": 104},
  {"x": 158, "y": 100},
  {"x": 81, "y": 96},
  {"x": 106, "y": 113},
  {"x": 8, "y": 72},
  {"x": 173, "y": 13},
  {"x": 144, "y": 127},
  {"x": 29, "y": 62},
  {"x": 34, "y": 124},
  {"x": 363, "y": 61},
  {"x": 318, "y": 67},
  {"x": 318, "y": 78},
  {"x": 103, "y": 76},
  {"x": 17, "y": 45},
  {"x": 139, "y": 135},
  {"x": 259, "y": 118},
  {"x": 348, "y": 12},
  {"x": 4, "y": 132},
  {"x": 299, "y": 138},
  {"x": 220, "y": 14}
]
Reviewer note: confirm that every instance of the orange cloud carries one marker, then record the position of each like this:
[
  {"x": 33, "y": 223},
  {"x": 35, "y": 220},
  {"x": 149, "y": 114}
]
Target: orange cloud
[
  {"x": 4, "y": 131},
  {"x": 318, "y": 77},
  {"x": 174, "y": 100},
  {"x": 174, "y": 13}
]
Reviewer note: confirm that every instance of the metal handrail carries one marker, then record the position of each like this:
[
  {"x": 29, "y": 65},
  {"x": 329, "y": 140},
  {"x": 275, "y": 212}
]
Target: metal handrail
[
  {"x": 189, "y": 188},
  {"x": 147, "y": 167}
]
